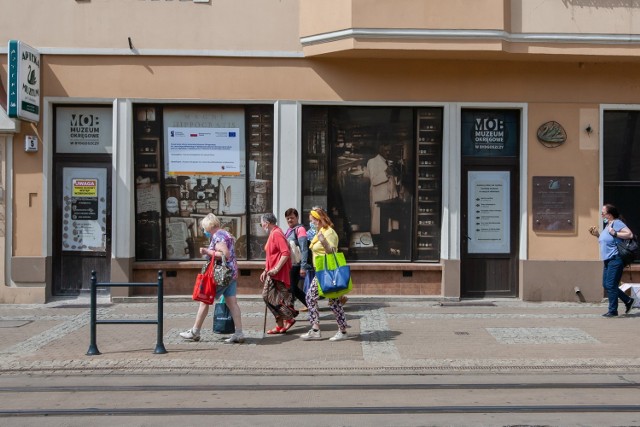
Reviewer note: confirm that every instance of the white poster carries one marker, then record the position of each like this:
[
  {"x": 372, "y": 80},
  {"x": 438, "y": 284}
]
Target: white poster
[
  {"x": 208, "y": 151},
  {"x": 84, "y": 207},
  {"x": 488, "y": 212},
  {"x": 232, "y": 197}
]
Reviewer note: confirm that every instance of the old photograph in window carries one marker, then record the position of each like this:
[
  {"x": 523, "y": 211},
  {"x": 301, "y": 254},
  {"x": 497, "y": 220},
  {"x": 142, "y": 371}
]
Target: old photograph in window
[{"x": 373, "y": 173}]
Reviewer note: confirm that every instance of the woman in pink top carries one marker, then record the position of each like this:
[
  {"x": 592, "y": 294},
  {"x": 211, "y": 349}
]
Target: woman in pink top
[{"x": 276, "y": 276}]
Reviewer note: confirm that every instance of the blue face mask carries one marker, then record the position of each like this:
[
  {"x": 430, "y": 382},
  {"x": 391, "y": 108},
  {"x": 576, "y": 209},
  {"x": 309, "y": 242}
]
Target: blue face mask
[
  {"x": 207, "y": 235},
  {"x": 312, "y": 227}
]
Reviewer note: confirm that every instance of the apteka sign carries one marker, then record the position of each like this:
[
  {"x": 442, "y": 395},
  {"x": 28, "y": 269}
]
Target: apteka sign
[{"x": 23, "y": 95}]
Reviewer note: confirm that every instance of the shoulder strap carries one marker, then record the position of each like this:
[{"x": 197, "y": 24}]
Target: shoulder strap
[{"x": 293, "y": 230}]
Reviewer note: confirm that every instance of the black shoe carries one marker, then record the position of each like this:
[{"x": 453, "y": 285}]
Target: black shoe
[
  {"x": 610, "y": 315},
  {"x": 628, "y": 306}
]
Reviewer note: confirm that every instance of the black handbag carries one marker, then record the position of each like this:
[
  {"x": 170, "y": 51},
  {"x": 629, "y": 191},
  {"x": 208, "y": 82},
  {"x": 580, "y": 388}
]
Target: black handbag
[
  {"x": 628, "y": 249},
  {"x": 222, "y": 274}
]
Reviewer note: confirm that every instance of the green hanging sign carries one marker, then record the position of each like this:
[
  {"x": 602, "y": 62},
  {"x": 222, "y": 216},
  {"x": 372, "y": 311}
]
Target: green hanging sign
[{"x": 23, "y": 94}]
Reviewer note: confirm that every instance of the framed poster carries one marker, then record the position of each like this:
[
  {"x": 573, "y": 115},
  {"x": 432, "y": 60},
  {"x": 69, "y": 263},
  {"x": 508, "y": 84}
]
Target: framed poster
[
  {"x": 489, "y": 212},
  {"x": 84, "y": 209}
]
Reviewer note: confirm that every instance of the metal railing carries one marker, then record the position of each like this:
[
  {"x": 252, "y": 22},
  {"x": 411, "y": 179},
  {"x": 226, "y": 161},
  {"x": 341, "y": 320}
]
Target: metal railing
[{"x": 93, "y": 348}]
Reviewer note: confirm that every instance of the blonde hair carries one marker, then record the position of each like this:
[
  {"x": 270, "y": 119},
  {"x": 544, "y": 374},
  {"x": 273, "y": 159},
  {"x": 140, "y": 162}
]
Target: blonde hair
[
  {"x": 210, "y": 221},
  {"x": 321, "y": 216}
]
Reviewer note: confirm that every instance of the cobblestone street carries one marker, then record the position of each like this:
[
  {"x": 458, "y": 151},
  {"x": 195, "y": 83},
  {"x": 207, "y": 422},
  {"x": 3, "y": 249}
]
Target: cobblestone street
[{"x": 393, "y": 336}]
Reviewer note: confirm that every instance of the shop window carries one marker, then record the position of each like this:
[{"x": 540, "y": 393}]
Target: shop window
[
  {"x": 621, "y": 162},
  {"x": 378, "y": 172},
  {"x": 192, "y": 161}
]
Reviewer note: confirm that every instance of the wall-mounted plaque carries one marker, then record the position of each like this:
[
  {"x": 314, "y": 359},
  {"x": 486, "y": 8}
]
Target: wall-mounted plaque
[
  {"x": 551, "y": 134},
  {"x": 553, "y": 203}
]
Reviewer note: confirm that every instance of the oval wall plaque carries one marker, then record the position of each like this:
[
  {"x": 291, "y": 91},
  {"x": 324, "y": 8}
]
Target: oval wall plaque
[{"x": 551, "y": 134}]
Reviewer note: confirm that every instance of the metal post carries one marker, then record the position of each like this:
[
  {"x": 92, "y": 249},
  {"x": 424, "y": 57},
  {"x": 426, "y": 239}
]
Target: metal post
[
  {"x": 159, "y": 342},
  {"x": 93, "y": 348}
]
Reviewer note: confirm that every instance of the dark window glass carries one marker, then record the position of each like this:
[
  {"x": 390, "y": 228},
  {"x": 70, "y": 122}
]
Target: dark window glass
[
  {"x": 621, "y": 164},
  {"x": 378, "y": 176}
]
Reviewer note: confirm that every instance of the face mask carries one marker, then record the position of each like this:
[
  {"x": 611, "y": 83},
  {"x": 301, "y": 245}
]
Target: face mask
[
  {"x": 265, "y": 227},
  {"x": 207, "y": 235},
  {"x": 312, "y": 227},
  {"x": 605, "y": 221}
]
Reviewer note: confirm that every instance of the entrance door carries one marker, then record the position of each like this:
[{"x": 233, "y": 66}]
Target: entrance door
[
  {"x": 490, "y": 205},
  {"x": 82, "y": 225}
]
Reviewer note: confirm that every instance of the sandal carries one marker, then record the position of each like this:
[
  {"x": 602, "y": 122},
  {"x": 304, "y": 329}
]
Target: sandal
[
  {"x": 276, "y": 331},
  {"x": 288, "y": 324}
]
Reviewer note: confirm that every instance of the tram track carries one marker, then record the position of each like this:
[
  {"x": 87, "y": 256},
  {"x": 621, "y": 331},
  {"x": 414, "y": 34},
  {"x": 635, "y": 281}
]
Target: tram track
[
  {"x": 348, "y": 398},
  {"x": 480, "y": 409},
  {"x": 315, "y": 387}
]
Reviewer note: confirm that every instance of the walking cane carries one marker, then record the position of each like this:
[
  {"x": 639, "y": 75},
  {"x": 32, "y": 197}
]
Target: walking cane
[{"x": 264, "y": 325}]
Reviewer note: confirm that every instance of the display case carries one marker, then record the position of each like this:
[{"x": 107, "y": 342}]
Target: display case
[
  {"x": 260, "y": 129},
  {"x": 260, "y": 154},
  {"x": 315, "y": 159},
  {"x": 428, "y": 185},
  {"x": 147, "y": 158},
  {"x": 148, "y": 201}
]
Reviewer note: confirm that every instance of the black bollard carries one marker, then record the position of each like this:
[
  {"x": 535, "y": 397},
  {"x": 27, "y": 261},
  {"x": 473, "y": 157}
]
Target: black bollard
[
  {"x": 93, "y": 348},
  {"x": 159, "y": 342}
]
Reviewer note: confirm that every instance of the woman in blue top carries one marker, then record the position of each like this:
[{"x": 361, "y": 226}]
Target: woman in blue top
[{"x": 614, "y": 230}]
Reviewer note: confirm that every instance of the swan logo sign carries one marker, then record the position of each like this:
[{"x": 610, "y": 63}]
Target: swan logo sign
[{"x": 23, "y": 95}]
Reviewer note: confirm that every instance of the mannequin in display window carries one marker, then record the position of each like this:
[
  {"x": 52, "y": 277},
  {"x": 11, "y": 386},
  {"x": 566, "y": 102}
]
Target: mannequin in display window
[{"x": 382, "y": 183}]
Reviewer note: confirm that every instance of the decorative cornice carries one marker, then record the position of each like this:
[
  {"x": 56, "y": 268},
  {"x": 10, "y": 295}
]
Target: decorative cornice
[
  {"x": 165, "y": 52},
  {"x": 497, "y": 35},
  {"x": 360, "y": 33}
]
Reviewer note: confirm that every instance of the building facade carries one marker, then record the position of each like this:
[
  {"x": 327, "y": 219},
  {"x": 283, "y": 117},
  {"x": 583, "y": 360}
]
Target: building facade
[{"x": 461, "y": 149}]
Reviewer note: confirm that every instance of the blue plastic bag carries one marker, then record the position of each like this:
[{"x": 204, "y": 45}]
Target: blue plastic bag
[{"x": 222, "y": 320}]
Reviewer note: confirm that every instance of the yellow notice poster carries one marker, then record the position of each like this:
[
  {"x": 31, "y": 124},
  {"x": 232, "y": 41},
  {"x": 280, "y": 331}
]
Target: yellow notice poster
[{"x": 85, "y": 187}]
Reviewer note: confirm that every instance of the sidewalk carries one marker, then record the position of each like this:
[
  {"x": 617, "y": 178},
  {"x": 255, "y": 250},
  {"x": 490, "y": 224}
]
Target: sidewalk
[{"x": 387, "y": 336}]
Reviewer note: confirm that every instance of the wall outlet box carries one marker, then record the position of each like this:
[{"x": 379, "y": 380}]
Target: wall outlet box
[{"x": 30, "y": 144}]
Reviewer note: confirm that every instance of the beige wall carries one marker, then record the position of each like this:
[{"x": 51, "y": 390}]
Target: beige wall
[
  {"x": 336, "y": 80},
  {"x": 28, "y": 195},
  {"x": 260, "y": 25},
  {"x": 569, "y": 159},
  {"x": 578, "y": 16},
  {"x": 268, "y": 26},
  {"x": 317, "y": 17},
  {"x": 557, "y": 281}
]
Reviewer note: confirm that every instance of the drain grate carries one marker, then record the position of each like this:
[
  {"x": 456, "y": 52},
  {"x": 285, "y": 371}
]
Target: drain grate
[
  {"x": 466, "y": 304},
  {"x": 461, "y": 333}
]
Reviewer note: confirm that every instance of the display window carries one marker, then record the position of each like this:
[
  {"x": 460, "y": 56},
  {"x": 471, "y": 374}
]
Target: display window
[
  {"x": 621, "y": 163},
  {"x": 192, "y": 161},
  {"x": 378, "y": 173}
]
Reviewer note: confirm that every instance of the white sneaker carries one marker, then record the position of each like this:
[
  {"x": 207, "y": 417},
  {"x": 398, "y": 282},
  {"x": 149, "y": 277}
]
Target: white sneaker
[
  {"x": 311, "y": 335},
  {"x": 235, "y": 339},
  {"x": 339, "y": 336},
  {"x": 189, "y": 335}
]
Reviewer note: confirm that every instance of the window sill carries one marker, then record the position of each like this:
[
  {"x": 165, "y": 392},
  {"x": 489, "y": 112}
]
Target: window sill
[{"x": 259, "y": 265}]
